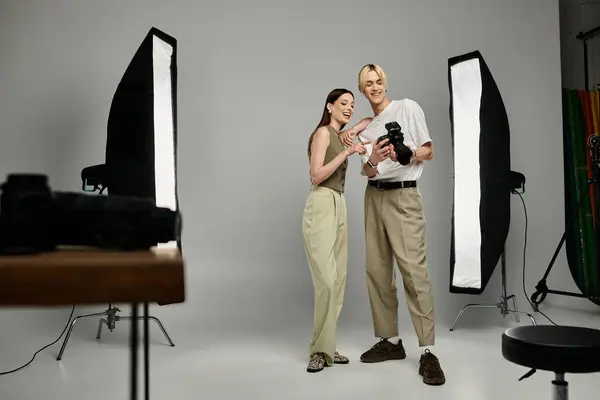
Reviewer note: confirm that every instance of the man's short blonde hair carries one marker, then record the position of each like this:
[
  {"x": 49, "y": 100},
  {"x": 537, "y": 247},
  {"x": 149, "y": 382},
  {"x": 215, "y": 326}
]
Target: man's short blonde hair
[{"x": 362, "y": 76}]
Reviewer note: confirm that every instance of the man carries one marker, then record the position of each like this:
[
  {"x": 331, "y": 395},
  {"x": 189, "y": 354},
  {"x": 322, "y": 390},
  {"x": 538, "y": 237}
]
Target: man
[{"x": 395, "y": 225}]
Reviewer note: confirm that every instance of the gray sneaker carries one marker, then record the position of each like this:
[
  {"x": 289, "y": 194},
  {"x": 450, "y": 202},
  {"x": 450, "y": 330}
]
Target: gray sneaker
[{"x": 316, "y": 363}]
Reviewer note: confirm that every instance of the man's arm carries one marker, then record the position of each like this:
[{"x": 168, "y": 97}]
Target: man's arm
[
  {"x": 367, "y": 170},
  {"x": 347, "y": 135},
  {"x": 425, "y": 152}
]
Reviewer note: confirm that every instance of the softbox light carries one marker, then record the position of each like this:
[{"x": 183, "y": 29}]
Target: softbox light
[
  {"x": 482, "y": 176},
  {"x": 141, "y": 146}
]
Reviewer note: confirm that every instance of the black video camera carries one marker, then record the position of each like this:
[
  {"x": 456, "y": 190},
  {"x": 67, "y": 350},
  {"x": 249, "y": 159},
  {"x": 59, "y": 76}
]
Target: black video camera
[
  {"x": 35, "y": 219},
  {"x": 395, "y": 137}
]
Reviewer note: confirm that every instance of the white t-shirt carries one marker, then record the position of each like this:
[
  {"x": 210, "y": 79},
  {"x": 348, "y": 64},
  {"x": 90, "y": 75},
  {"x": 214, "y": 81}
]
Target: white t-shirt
[{"x": 411, "y": 119}]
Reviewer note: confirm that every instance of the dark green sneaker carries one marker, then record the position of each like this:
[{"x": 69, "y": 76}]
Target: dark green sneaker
[
  {"x": 384, "y": 350},
  {"x": 430, "y": 369}
]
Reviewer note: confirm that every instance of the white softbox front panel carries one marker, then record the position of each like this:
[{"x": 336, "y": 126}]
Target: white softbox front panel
[{"x": 481, "y": 158}]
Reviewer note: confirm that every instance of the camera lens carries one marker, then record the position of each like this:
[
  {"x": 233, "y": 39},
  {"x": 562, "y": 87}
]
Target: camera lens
[{"x": 26, "y": 214}]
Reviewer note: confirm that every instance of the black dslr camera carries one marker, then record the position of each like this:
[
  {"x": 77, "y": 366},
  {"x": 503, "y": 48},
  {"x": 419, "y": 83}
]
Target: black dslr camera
[
  {"x": 35, "y": 219},
  {"x": 396, "y": 138}
]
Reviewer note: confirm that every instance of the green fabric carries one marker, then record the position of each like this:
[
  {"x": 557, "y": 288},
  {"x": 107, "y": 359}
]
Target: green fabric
[{"x": 580, "y": 243}]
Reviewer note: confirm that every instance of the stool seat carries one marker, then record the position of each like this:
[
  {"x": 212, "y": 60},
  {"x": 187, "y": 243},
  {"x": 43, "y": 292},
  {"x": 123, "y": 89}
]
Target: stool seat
[{"x": 559, "y": 349}]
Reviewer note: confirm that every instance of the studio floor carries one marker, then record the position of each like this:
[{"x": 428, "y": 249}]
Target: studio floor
[{"x": 270, "y": 364}]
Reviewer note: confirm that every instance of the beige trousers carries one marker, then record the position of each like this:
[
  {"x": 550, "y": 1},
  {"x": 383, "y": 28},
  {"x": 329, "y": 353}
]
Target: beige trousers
[
  {"x": 326, "y": 245},
  {"x": 395, "y": 229}
]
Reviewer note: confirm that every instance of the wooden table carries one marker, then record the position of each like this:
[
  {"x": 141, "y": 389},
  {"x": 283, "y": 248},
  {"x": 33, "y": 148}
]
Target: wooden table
[{"x": 90, "y": 276}]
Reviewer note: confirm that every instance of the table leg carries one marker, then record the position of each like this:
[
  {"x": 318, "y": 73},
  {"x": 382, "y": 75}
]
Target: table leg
[
  {"x": 146, "y": 353},
  {"x": 134, "y": 349}
]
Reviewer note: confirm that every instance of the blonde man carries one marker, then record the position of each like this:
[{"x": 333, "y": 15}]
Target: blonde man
[{"x": 395, "y": 225}]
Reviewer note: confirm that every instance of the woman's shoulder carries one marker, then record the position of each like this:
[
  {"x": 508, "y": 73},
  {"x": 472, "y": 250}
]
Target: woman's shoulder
[{"x": 322, "y": 132}]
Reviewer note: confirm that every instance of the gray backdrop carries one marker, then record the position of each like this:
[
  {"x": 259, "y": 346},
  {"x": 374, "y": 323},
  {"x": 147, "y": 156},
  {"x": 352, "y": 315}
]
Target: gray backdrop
[{"x": 253, "y": 76}]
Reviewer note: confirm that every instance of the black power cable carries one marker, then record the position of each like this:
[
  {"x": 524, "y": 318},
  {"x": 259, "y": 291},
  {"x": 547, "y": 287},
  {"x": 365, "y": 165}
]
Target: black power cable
[
  {"x": 524, "y": 263},
  {"x": 43, "y": 348}
]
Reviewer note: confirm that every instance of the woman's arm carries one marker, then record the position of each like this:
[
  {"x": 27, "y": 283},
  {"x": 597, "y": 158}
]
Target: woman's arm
[{"x": 318, "y": 148}]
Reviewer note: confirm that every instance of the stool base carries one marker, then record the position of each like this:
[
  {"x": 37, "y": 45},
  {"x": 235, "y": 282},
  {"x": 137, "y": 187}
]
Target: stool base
[{"x": 560, "y": 388}]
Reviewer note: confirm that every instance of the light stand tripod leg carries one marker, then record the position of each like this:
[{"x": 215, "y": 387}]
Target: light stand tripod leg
[
  {"x": 160, "y": 325},
  {"x": 516, "y": 312},
  {"x": 112, "y": 318},
  {"x": 164, "y": 331},
  {"x": 470, "y": 306},
  {"x": 102, "y": 321},
  {"x": 68, "y": 335}
]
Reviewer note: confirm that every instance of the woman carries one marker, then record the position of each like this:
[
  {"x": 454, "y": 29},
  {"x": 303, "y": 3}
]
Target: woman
[{"x": 324, "y": 223}]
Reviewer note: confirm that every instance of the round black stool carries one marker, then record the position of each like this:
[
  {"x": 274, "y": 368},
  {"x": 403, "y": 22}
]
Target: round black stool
[{"x": 558, "y": 349}]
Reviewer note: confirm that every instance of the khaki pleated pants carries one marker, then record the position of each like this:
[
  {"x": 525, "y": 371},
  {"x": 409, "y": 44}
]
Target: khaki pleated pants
[
  {"x": 326, "y": 245},
  {"x": 395, "y": 229}
]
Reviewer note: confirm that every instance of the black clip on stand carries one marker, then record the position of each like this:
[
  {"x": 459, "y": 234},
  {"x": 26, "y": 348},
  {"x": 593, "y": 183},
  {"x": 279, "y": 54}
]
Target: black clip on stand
[{"x": 542, "y": 288}]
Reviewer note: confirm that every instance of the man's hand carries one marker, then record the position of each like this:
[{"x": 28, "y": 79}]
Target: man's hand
[
  {"x": 392, "y": 153},
  {"x": 380, "y": 152},
  {"x": 347, "y": 137}
]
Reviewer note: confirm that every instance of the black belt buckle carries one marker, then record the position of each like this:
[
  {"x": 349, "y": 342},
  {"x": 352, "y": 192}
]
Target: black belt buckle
[{"x": 381, "y": 185}]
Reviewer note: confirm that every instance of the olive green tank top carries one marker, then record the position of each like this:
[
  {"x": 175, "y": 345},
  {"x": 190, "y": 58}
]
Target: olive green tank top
[{"x": 337, "y": 180}]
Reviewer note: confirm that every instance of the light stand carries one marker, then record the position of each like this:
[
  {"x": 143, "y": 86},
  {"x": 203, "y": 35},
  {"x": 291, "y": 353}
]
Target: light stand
[
  {"x": 109, "y": 321},
  {"x": 91, "y": 177},
  {"x": 502, "y": 305},
  {"x": 542, "y": 289},
  {"x": 517, "y": 181}
]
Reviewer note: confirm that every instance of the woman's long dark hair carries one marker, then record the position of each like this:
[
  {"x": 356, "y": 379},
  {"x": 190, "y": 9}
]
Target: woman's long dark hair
[{"x": 326, "y": 117}]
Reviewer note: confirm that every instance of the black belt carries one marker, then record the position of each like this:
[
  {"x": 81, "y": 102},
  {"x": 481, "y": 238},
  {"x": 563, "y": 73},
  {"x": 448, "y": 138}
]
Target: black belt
[{"x": 382, "y": 185}]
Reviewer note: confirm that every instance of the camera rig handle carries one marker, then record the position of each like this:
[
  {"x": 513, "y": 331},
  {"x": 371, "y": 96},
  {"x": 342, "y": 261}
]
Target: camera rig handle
[{"x": 94, "y": 176}]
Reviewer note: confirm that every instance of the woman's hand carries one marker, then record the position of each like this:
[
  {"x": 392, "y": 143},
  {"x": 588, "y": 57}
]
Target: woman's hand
[{"x": 357, "y": 148}]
